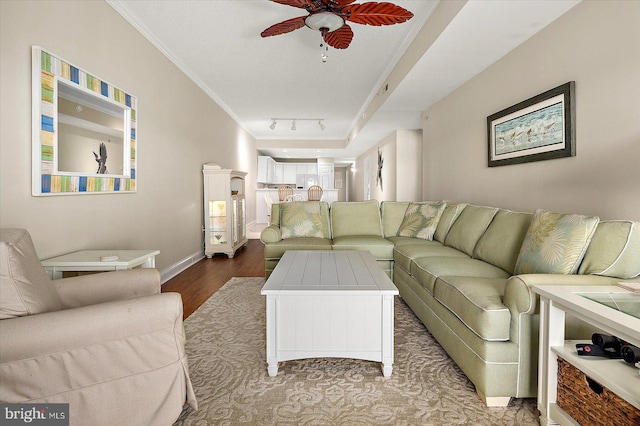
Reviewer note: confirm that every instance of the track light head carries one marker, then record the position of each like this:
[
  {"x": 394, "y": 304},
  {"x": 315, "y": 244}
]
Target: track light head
[{"x": 273, "y": 124}]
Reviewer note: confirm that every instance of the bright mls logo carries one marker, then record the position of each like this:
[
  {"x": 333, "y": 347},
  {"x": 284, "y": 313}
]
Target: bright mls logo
[{"x": 34, "y": 414}]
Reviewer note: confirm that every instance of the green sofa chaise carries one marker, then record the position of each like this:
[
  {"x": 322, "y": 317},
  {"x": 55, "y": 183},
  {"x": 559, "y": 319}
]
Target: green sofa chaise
[{"x": 469, "y": 280}]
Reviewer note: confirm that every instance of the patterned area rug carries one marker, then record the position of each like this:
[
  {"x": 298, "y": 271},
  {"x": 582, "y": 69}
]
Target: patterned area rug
[{"x": 227, "y": 361}]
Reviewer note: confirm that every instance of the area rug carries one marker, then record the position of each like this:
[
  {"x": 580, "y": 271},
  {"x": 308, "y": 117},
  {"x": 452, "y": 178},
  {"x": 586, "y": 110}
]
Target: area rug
[{"x": 227, "y": 361}]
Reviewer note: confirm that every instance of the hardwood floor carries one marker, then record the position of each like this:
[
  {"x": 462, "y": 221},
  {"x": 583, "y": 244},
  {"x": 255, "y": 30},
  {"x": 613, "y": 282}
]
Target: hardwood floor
[{"x": 198, "y": 282}]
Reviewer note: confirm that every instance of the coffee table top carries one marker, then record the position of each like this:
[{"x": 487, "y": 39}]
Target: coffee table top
[{"x": 328, "y": 270}]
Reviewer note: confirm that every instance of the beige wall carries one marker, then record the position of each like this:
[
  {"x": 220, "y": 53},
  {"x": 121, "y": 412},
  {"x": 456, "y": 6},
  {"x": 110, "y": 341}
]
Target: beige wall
[
  {"x": 401, "y": 169},
  {"x": 596, "y": 44},
  {"x": 180, "y": 128}
]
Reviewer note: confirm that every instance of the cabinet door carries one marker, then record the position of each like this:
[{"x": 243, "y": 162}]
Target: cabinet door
[
  {"x": 263, "y": 168},
  {"x": 289, "y": 173},
  {"x": 312, "y": 169},
  {"x": 279, "y": 173}
]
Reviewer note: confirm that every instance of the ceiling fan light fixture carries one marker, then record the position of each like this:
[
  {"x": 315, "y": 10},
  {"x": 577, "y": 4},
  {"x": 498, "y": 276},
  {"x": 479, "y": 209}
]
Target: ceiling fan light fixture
[{"x": 327, "y": 20}]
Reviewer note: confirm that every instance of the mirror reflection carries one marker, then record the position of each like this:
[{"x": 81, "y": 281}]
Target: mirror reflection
[{"x": 91, "y": 134}]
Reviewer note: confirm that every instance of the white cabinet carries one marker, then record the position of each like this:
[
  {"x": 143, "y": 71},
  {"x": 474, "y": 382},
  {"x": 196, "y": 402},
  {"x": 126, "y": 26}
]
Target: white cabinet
[
  {"x": 266, "y": 169},
  {"x": 224, "y": 210},
  {"x": 325, "y": 175},
  {"x": 289, "y": 173},
  {"x": 278, "y": 175}
]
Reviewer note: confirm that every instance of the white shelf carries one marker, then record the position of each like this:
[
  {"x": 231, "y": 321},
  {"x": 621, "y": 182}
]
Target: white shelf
[
  {"x": 618, "y": 376},
  {"x": 558, "y": 302}
]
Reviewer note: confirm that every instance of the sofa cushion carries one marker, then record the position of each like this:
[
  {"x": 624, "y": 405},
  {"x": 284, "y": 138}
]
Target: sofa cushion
[
  {"x": 477, "y": 301},
  {"x": 25, "y": 288},
  {"x": 449, "y": 216},
  {"x": 355, "y": 218},
  {"x": 380, "y": 248},
  {"x": 469, "y": 227},
  {"x": 614, "y": 250},
  {"x": 301, "y": 219},
  {"x": 276, "y": 250},
  {"x": 555, "y": 243},
  {"x": 392, "y": 215},
  {"x": 428, "y": 269},
  {"x": 501, "y": 242},
  {"x": 404, "y": 253},
  {"x": 421, "y": 219}
]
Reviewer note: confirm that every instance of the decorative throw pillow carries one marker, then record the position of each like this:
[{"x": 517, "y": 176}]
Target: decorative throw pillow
[
  {"x": 421, "y": 220},
  {"x": 555, "y": 243},
  {"x": 301, "y": 219}
]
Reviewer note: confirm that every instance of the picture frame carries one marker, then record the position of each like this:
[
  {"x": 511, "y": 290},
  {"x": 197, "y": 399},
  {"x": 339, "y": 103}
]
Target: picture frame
[
  {"x": 84, "y": 131},
  {"x": 539, "y": 128}
]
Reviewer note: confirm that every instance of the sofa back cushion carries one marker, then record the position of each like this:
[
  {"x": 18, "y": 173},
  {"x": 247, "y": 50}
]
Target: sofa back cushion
[
  {"x": 421, "y": 219},
  {"x": 469, "y": 227},
  {"x": 276, "y": 216},
  {"x": 392, "y": 216},
  {"x": 449, "y": 216},
  {"x": 501, "y": 242},
  {"x": 355, "y": 218},
  {"x": 301, "y": 219},
  {"x": 25, "y": 287},
  {"x": 614, "y": 250},
  {"x": 555, "y": 243}
]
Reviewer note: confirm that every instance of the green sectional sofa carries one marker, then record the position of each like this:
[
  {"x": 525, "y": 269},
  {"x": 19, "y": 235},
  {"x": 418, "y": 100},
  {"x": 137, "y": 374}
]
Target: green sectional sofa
[{"x": 469, "y": 279}]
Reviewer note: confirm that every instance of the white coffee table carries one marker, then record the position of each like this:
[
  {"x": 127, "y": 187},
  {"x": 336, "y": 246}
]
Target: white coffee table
[
  {"x": 89, "y": 261},
  {"x": 323, "y": 304}
]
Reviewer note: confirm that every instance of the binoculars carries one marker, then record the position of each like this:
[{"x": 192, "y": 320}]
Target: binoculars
[{"x": 622, "y": 349}]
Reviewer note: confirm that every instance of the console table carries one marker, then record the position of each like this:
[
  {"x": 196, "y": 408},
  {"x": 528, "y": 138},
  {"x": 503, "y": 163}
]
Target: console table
[
  {"x": 576, "y": 301},
  {"x": 89, "y": 261}
]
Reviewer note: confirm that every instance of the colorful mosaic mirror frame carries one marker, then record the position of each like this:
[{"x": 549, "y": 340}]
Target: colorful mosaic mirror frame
[{"x": 47, "y": 70}]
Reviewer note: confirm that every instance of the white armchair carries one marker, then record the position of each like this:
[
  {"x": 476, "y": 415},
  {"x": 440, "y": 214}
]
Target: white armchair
[{"x": 110, "y": 345}]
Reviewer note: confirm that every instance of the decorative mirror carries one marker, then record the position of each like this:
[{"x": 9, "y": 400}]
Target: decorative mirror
[{"x": 84, "y": 131}]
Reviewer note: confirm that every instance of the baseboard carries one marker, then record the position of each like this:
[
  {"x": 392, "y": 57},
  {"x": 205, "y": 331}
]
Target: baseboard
[
  {"x": 250, "y": 224},
  {"x": 176, "y": 268}
]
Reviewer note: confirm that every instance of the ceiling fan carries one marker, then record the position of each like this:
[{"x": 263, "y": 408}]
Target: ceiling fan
[{"x": 329, "y": 16}]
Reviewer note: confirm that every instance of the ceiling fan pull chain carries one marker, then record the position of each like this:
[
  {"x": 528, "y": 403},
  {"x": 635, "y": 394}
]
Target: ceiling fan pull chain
[{"x": 324, "y": 45}]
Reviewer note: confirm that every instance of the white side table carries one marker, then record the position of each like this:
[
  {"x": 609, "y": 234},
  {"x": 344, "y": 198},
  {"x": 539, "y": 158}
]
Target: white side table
[
  {"x": 555, "y": 302},
  {"x": 89, "y": 260}
]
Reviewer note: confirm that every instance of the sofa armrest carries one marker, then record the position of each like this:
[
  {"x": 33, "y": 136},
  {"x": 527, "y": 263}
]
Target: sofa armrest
[
  {"x": 107, "y": 286},
  {"x": 52, "y": 333},
  {"x": 271, "y": 234},
  {"x": 519, "y": 298}
]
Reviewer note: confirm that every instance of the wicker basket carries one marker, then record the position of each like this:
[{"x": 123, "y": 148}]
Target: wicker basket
[{"x": 590, "y": 403}]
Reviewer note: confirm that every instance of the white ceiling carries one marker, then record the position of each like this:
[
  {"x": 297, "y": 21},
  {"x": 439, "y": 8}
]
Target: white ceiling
[{"x": 217, "y": 44}]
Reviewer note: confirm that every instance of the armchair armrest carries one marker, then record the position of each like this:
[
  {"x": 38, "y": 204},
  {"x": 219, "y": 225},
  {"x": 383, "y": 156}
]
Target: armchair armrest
[
  {"x": 52, "y": 333},
  {"x": 106, "y": 287},
  {"x": 271, "y": 234}
]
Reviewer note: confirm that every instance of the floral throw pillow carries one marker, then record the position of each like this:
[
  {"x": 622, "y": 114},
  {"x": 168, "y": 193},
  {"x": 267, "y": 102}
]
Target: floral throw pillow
[
  {"x": 555, "y": 243},
  {"x": 301, "y": 219},
  {"x": 421, "y": 220}
]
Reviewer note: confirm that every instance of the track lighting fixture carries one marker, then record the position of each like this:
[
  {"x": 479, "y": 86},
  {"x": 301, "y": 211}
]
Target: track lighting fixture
[{"x": 294, "y": 122}]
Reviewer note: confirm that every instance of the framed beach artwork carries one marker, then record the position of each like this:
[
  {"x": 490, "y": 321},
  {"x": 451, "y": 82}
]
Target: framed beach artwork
[{"x": 540, "y": 128}]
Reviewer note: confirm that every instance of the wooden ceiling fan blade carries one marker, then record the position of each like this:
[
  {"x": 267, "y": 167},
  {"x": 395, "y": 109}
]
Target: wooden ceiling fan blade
[
  {"x": 284, "y": 27},
  {"x": 340, "y": 38},
  {"x": 337, "y": 3},
  {"x": 302, "y": 4},
  {"x": 377, "y": 14}
]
